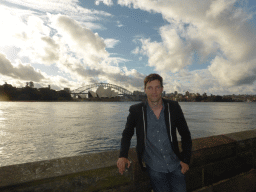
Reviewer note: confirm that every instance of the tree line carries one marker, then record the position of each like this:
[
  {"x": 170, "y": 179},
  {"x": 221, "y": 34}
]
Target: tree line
[{"x": 10, "y": 93}]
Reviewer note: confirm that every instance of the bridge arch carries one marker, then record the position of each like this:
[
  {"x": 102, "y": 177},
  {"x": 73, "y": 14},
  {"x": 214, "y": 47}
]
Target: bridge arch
[{"x": 83, "y": 89}]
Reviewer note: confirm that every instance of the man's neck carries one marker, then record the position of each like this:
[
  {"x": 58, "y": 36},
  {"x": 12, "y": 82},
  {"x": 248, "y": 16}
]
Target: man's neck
[{"x": 155, "y": 105}]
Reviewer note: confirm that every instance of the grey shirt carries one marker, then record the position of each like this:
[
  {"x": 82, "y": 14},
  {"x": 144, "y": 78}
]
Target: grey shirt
[{"x": 158, "y": 154}]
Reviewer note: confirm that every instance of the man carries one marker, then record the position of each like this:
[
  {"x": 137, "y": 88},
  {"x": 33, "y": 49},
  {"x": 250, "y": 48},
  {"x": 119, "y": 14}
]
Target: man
[{"x": 156, "y": 122}]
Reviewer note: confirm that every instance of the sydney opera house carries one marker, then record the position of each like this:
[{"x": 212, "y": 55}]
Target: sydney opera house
[{"x": 102, "y": 93}]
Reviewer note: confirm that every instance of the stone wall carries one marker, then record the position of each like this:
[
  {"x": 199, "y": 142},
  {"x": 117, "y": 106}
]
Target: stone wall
[{"x": 219, "y": 163}]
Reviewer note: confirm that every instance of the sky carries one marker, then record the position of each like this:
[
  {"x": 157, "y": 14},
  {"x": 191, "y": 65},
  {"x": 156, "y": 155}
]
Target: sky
[{"x": 200, "y": 46}]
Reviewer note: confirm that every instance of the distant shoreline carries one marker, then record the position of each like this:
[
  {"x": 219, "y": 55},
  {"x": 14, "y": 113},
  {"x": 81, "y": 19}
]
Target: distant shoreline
[{"x": 117, "y": 100}]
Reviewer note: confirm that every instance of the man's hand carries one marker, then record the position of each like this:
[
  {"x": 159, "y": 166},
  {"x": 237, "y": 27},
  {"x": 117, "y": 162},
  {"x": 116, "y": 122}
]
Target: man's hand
[
  {"x": 121, "y": 163},
  {"x": 184, "y": 167}
]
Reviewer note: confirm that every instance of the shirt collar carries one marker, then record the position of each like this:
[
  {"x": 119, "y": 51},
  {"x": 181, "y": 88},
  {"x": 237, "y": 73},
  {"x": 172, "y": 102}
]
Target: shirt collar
[{"x": 149, "y": 108}]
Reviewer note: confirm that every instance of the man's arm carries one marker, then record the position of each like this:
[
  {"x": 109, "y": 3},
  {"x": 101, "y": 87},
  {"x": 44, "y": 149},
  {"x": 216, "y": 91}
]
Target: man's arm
[
  {"x": 125, "y": 143},
  {"x": 185, "y": 136},
  {"x": 127, "y": 135}
]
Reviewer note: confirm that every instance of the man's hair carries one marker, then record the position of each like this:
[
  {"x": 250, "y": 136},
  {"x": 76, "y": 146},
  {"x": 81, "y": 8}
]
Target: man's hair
[{"x": 152, "y": 77}]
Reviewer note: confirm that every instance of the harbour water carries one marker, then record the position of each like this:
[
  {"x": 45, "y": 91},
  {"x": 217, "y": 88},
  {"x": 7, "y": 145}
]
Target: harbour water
[{"x": 34, "y": 131}]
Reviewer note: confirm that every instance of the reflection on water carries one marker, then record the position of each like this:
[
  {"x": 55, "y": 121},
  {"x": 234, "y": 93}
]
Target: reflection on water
[
  {"x": 33, "y": 131},
  {"x": 206, "y": 119}
]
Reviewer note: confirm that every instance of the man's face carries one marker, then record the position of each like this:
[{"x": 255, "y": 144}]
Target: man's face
[{"x": 154, "y": 90}]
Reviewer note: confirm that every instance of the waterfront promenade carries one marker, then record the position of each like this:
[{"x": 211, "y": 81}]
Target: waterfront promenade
[{"x": 222, "y": 163}]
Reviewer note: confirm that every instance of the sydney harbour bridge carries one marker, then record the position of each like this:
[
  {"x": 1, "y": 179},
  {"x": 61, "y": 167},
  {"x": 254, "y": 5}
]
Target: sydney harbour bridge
[{"x": 85, "y": 89}]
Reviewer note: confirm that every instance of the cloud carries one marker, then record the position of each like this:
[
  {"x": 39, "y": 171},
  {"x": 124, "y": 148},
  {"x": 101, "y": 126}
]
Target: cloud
[
  {"x": 10, "y": 21},
  {"x": 197, "y": 81},
  {"x": 57, "y": 82},
  {"x": 172, "y": 54},
  {"x": 111, "y": 43},
  {"x": 218, "y": 7},
  {"x": 25, "y": 8},
  {"x": 69, "y": 7},
  {"x": 132, "y": 80},
  {"x": 111, "y": 74},
  {"x": 106, "y": 2},
  {"x": 119, "y": 24},
  {"x": 202, "y": 81},
  {"x": 22, "y": 72},
  {"x": 18, "y": 74},
  {"x": 96, "y": 63},
  {"x": 209, "y": 29},
  {"x": 65, "y": 42},
  {"x": 51, "y": 50},
  {"x": 81, "y": 40},
  {"x": 35, "y": 42},
  {"x": 229, "y": 73}
]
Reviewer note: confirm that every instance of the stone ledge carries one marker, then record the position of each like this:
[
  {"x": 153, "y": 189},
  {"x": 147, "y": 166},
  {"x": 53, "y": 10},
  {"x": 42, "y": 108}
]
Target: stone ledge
[
  {"x": 16, "y": 174},
  {"x": 211, "y": 149},
  {"x": 245, "y": 182},
  {"x": 245, "y": 140},
  {"x": 213, "y": 158}
]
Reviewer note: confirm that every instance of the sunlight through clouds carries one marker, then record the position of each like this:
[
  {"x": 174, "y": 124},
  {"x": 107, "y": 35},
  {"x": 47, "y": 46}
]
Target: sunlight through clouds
[
  {"x": 200, "y": 46},
  {"x": 219, "y": 22}
]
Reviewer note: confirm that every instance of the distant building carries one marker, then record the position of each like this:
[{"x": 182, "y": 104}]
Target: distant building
[
  {"x": 67, "y": 90},
  {"x": 92, "y": 94},
  {"x": 103, "y": 93},
  {"x": 83, "y": 96},
  {"x": 30, "y": 84}
]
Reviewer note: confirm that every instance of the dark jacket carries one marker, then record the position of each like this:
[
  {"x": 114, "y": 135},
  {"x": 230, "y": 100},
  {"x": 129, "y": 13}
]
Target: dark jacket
[{"x": 137, "y": 119}]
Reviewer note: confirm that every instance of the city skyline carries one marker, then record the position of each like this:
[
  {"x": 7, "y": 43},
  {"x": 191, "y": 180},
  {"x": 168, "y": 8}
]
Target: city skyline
[
  {"x": 106, "y": 91},
  {"x": 112, "y": 86},
  {"x": 197, "y": 46}
]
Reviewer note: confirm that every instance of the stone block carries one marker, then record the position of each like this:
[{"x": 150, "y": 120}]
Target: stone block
[
  {"x": 204, "y": 189},
  {"x": 224, "y": 169},
  {"x": 246, "y": 140},
  {"x": 247, "y": 160},
  {"x": 211, "y": 149},
  {"x": 219, "y": 163},
  {"x": 245, "y": 182},
  {"x": 194, "y": 178},
  {"x": 91, "y": 180},
  {"x": 139, "y": 176},
  {"x": 17, "y": 174},
  {"x": 254, "y": 160}
]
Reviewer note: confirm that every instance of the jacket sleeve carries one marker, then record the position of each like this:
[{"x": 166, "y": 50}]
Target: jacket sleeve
[
  {"x": 184, "y": 132},
  {"x": 127, "y": 134}
]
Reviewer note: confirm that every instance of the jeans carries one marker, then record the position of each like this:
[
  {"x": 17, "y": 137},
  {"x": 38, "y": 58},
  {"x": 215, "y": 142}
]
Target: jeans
[{"x": 167, "y": 182}]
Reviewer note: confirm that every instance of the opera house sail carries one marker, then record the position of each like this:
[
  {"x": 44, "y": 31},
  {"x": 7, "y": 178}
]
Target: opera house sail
[{"x": 103, "y": 93}]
